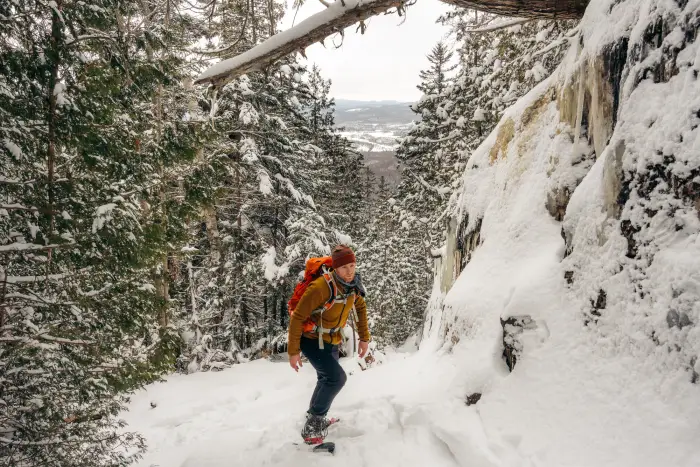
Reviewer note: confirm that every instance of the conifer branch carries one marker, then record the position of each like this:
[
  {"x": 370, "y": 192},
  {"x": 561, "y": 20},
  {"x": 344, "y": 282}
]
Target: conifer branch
[{"x": 15, "y": 247}]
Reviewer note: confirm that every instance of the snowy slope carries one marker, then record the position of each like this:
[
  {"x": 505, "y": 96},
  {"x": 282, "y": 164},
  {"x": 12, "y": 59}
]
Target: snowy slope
[
  {"x": 406, "y": 412},
  {"x": 606, "y": 371},
  {"x": 584, "y": 210}
]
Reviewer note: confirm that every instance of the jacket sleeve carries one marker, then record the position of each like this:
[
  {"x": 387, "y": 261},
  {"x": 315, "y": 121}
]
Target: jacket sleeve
[
  {"x": 362, "y": 325},
  {"x": 315, "y": 295}
]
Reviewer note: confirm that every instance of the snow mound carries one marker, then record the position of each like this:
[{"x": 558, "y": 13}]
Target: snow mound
[{"x": 579, "y": 305}]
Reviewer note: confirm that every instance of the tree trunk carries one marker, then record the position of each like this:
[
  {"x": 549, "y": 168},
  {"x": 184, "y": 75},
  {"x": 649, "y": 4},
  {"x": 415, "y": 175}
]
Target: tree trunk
[
  {"x": 195, "y": 316},
  {"x": 545, "y": 9},
  {"x": 213, "y": 233},
  {"x": 161, "y": 279},
  {"x": 246, "y": 321},
  {"x": 56, "y": 26},
  {"x": 3, "y": 306},
  {"x": 283, "y": 309},
  {"x": 254, "y": 23}
]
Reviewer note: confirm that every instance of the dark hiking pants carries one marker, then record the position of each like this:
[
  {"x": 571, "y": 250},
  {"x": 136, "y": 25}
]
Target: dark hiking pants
[{"x": 331, "y": 377}]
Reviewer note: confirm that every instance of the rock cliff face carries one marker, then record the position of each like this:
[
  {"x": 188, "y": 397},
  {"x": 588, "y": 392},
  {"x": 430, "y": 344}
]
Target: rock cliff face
[{"x": 571, "y": 273}]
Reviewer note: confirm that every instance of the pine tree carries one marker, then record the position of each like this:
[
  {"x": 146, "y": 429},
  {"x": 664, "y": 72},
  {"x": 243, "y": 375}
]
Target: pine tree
[
  {"x": 392, "y": 259},
  {"x": 269, "y": 174},
  {"x": 80, "y": 226},
  {"x": 402, "y": 252},
  {"x": 424, "y": 189},
  {"x": 342, "y": 174},
  {"x": 434, "y": 80},
  {"x": 499, "y": 66}
]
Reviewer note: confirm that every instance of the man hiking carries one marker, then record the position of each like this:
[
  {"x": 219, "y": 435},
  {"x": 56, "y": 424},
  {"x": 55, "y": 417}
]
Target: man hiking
[{"x": 315, "y": 329}]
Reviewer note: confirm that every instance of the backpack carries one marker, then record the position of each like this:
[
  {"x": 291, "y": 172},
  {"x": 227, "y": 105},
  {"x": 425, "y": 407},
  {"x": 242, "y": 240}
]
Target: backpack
[{"x": 315, "y": 268}]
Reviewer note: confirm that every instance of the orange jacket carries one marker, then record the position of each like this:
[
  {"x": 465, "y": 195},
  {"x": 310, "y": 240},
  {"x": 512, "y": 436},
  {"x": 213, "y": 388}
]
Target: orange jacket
[{"x": 314, "y": 297}]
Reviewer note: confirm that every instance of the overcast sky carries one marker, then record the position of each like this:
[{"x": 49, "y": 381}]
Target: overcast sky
[{"x": 382, "y": 64}]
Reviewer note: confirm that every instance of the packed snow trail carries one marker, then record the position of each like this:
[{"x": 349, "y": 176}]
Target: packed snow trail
[
  {"x": 402, "y": 413},
  {"x": 567, "y": 404}
]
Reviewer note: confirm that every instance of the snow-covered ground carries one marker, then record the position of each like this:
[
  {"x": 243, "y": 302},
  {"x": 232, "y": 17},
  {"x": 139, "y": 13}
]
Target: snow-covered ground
[
  {"x": 607, "y": 377},
  {"x": 405, "y": 412},
  {"x": 411, "y": 411},
  {"x": 372, "y": 141}
]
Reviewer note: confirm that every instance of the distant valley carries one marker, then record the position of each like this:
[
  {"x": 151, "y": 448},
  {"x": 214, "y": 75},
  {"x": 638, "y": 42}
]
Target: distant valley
[{"x": 374, "y": 128}]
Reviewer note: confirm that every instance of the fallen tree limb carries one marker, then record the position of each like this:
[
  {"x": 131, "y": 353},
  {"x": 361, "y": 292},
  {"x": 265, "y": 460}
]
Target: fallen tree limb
[
  {"x": 498, "y": 26},
  {"x": 344, "y": 13},
  {"x": 316, "y": 28}
]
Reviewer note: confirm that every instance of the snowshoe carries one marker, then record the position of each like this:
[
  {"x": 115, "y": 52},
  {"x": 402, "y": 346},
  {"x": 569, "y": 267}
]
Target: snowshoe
[{"x": 316, "y": 428}]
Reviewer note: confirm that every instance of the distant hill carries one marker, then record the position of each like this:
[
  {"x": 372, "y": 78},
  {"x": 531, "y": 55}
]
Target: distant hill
[{"x": 372, "y": 112}]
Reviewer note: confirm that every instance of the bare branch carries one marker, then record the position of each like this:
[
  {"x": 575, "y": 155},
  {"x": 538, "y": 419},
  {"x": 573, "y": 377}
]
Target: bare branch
[{"x": 230, "y": 47}]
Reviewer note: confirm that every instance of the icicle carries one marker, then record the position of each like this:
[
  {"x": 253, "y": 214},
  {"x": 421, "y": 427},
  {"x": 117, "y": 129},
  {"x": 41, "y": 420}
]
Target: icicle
[{"x": 579, "y": 104}]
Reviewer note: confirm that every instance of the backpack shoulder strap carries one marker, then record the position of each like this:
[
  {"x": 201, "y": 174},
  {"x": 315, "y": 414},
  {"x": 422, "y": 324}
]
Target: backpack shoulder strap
[{"x": 332, "y": 289}]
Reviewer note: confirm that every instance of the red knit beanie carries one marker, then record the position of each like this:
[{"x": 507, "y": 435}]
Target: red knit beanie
[{"x": 341, "y": 256}]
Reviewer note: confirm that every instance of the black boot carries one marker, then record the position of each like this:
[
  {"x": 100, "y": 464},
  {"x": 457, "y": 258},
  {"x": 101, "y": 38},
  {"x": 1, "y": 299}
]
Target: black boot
[{"x": 315, "y": 429}]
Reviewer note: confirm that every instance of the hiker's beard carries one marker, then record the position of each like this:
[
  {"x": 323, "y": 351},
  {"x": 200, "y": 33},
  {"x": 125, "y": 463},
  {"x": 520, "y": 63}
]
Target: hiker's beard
[
  {"x": 347, "y": 277},
  {"x": 346, "y": 273},
  {"x": 355, "y": 283}
]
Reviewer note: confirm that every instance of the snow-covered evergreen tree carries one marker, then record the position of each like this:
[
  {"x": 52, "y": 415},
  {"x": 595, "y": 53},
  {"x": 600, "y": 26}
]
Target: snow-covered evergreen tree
[
  {"x": 265, "y": 178},
  {"x": 392, "y": 259},
  {"x": 423, "y": 189},
  {"x": 81, "y": 225}
]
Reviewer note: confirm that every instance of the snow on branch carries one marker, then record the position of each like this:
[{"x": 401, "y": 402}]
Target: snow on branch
[
  {"x": 344, "y": 13},
  {"x": 334, "y": 19},
  {"x": 30, "y": 279},
  {"x": 87, "y": 37},
  {"x": 60, "y": 340},
  {"x": 558, "y": 43},
  {"x": 36, "y": 299},
  {"x": 502, "y": 25},
  {"x": 30, "y": 443},
  {"x": 450, "y": 136},
  {"x": 12, "y": 181},
  {"x": 46, "y": 337},
  {"x": 19, "y": 207},
  {"x": 31, "y": 247},
  {"x": 441, "y": 191}
]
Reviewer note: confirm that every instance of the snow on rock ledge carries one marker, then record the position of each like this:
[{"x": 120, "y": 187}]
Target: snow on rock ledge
[{"x": 586, "y": 200}]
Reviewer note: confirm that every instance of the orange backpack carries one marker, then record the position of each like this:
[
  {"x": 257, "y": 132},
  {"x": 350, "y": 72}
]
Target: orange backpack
[{"x": 315, "y": 268}]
